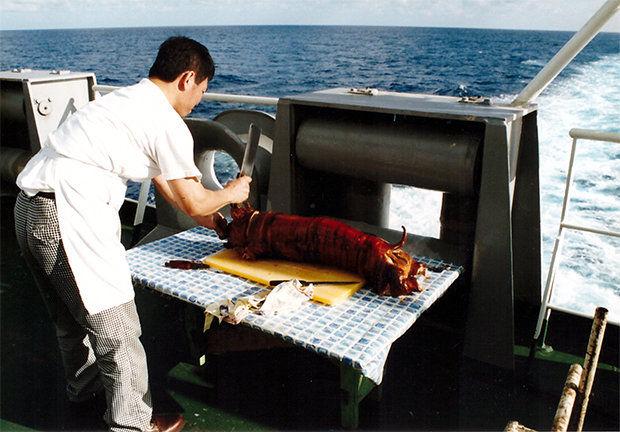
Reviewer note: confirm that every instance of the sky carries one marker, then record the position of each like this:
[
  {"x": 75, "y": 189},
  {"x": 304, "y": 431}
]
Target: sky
[{"x": 503, "y": 14}]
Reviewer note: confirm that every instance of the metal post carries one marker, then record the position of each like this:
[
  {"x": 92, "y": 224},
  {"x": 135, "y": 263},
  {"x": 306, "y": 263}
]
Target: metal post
[
  {"x": 567, "y": 53},
  {"x": 589, "y": 368},
  {"x": 567, "y": 400},
  {"x": 489, "y": 331}
]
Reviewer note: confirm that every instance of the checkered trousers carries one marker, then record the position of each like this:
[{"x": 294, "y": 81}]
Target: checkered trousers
[{"x": 99, "y": 349}]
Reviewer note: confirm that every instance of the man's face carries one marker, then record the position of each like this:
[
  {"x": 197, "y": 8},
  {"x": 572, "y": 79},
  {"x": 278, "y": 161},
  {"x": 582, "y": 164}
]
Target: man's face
[{"x": 193, "y": 95}]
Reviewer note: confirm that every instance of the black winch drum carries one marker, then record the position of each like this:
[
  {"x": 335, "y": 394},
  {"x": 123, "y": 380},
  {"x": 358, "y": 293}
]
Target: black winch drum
[{"x": 410, "y": 154}]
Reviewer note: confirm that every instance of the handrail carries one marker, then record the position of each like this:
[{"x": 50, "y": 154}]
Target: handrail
[
  {"x": 595, "y": 135},
  {"x": 591, "y": 230},
  {"x": 546, "y": 304},
  {"x": 246, "y": 99},
  {"x": 567, "y": 53},
  {"x": 220, "y": 97}
]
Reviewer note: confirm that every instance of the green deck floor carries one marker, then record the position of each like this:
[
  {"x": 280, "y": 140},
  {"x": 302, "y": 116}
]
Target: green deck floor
[{"x": 427, "y": 385}]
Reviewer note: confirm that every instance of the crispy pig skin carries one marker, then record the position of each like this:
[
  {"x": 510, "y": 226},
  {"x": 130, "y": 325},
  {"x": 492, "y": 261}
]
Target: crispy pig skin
[{"x": 387, "y": 268}]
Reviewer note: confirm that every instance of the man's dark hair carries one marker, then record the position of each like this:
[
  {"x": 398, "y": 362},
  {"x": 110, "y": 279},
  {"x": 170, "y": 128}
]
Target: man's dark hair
[{"x": 179, "y": 54}]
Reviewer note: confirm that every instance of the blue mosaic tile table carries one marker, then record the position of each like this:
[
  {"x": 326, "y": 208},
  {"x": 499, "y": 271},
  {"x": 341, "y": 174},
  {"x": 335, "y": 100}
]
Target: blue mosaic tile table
[{"x": 357, "y": 332}]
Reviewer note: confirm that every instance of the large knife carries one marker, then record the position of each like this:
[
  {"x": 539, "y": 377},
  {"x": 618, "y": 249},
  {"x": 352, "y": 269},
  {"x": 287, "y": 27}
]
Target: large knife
[{"x": 249, "y": 156}]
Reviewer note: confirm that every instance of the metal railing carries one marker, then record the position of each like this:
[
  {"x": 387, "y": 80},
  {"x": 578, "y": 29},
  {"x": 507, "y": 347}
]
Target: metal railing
[
  {"x": 547, "y": 305},
  {"x": 220, "y": 97}
]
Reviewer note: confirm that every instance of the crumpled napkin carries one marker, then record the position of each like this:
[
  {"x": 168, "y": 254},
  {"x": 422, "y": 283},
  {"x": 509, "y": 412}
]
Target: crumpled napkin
[{"x": 285, "y": 297}]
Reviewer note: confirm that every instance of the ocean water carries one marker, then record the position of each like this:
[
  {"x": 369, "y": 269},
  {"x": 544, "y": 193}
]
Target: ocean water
[{"x": 285, "y": 60}]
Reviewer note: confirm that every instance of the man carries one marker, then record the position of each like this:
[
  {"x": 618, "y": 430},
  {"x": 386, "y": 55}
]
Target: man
[{"x": 68, "y": 227}]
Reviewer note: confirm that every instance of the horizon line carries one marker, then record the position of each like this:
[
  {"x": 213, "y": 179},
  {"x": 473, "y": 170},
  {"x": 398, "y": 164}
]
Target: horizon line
[{"x": 290, "y": 25}]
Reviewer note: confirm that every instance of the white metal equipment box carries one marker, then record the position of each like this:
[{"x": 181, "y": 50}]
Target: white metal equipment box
[{"x": 35, "y": 102}]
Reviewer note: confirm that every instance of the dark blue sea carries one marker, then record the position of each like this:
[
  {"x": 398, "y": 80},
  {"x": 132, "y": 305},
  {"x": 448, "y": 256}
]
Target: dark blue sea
[{"x": 286, "y": 60}]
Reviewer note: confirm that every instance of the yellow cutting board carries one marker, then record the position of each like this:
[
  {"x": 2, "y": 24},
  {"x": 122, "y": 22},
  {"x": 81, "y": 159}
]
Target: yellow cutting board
[{"x": 265, "y": 270}]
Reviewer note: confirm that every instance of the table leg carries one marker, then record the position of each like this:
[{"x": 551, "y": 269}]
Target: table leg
[{"x": 354, "y": 387}]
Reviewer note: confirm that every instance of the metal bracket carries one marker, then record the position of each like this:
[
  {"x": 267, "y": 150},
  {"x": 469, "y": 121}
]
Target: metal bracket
[
  {"x": 479, "y": 100},
  {"x": 367, "y": 91}
]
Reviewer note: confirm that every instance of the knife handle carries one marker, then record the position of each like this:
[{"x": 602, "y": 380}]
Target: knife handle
[{"x": 186, "y": 265}]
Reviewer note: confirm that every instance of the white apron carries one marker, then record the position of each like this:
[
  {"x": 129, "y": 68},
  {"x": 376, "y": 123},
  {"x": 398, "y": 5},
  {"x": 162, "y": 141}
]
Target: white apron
[{"x": 88, "y": 201}]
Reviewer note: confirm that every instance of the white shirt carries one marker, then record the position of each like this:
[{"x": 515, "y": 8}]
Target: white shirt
[{"x": 130, "y": 134}]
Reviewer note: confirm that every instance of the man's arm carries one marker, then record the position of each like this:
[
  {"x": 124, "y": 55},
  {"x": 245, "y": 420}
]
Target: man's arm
[{"x": 189, "y": 196}]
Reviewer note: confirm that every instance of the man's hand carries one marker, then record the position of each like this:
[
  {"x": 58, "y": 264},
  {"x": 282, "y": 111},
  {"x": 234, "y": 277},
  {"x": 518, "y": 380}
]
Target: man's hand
[
  {"x": 214, "y": 221},
  {"x": 239, "y": 189}
]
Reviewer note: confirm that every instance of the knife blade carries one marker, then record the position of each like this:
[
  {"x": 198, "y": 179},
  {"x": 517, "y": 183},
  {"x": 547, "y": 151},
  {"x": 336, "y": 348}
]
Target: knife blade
[
  {"x": 249, "y": 155},
  {"x": 305, "y": 282}
]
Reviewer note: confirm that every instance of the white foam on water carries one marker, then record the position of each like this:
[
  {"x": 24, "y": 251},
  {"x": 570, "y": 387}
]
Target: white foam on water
[
  {"x": 415, "y": 209},
  {"x": 534, "y": 62}
]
